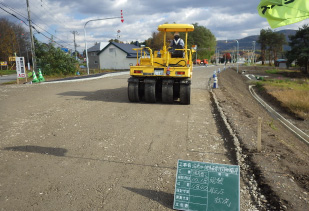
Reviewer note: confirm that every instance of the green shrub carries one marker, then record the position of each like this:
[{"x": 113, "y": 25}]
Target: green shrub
[{"x": 54, "y": 61}]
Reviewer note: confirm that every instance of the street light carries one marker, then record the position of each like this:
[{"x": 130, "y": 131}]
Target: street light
[
  {"x": 86, "y": 40},
  {"x": 237, "y": 49}
]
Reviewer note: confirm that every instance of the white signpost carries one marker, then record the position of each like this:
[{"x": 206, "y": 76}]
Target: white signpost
[{"x": 20, "y": 68}]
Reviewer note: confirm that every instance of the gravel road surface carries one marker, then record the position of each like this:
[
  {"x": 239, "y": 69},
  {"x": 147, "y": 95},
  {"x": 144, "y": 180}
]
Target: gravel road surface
[{"x": 83, "y": 146}]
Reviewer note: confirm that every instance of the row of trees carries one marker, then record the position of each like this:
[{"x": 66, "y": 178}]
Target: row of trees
[
  {"x": 14, "y": 39},
  {"x": 299, "y": 52},
  {"x": 201, "y": 36},
  {"x": 271, "y": 44}
]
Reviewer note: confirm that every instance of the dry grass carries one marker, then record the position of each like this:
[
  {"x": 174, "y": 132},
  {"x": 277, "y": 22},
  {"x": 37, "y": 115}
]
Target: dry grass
[{"x": 293, "y": 95}]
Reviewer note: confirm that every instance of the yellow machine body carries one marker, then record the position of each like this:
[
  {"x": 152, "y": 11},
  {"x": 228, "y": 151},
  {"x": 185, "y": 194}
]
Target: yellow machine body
[
  {"x": 159, "y": 76},
  {"x": 149, "y": 64}
]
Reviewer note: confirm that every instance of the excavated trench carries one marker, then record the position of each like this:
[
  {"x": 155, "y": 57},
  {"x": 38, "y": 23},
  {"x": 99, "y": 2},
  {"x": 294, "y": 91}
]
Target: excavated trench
[{"x": 263, "y": 197}]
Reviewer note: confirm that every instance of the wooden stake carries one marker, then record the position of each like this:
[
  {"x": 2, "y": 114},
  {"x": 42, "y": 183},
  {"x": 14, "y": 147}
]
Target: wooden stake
[{"x": 259, "y": 135}]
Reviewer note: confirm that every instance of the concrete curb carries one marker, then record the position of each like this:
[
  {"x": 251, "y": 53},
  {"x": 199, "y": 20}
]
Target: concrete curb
[
  {"x": 88, "y": 79},
  {"x": 298, "y": 132}
]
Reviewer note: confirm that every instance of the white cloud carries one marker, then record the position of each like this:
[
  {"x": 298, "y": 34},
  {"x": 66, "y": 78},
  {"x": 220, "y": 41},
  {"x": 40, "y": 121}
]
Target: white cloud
[{"x": 224, "y": 18}]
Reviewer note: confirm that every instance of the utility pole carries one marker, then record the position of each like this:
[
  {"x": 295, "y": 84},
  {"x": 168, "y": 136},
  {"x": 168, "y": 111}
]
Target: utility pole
[
  {"x": 216, "y": 55},
  {"x": 32, "y": 40},
  {"x": 74, "y": 33},
  {"x": 237, "y": 51},
  {"x": 253, "y": 52}
]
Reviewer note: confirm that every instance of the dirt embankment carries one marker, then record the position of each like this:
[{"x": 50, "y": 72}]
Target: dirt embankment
[{"x": 282, "y": 167}]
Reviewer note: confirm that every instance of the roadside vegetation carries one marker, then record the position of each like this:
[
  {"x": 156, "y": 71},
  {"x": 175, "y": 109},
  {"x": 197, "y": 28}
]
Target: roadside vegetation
[
  {"x": 291, "y": 93},
  {"x": 7, "y": 72}
]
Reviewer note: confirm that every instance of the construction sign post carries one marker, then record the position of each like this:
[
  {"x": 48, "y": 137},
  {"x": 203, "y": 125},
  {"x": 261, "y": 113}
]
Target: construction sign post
[
  {"x": 4, "y": 64},
  {"x": 20, "y": 68}
]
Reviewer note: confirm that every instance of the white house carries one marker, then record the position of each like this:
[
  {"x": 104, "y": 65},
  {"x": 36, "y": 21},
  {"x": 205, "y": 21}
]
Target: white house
[{"x": 117, "y": 56}]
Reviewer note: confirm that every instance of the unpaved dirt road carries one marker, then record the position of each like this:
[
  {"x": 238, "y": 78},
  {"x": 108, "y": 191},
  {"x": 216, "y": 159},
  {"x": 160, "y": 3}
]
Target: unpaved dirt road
[
  {"x": 84, "y": 146},
  {"x": 281, "y": 168}
]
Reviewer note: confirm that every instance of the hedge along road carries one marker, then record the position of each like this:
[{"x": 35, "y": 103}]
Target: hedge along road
[{"x": 84, "y": 146}]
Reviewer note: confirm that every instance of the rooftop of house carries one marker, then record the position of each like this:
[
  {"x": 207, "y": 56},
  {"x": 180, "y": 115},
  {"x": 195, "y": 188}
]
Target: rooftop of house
[
  {"x": 98, "y": 47},
  {"x": 127, "y": 48}
]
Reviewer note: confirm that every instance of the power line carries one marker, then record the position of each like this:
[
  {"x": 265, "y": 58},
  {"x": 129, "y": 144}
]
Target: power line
[
  {"x": 19, "y": 13},
  {"x": 51, "y": 16},
  {"x": 10, "y": 8},
  {"x": 14, "y": 15},
  {"x": 32, "y": 22},
  {"x": 31, "y": 26}
]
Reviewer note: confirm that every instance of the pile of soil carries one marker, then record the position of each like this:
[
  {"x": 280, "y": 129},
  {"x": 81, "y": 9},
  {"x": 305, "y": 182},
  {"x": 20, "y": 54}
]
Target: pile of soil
[{"x": 281, "y": 169}]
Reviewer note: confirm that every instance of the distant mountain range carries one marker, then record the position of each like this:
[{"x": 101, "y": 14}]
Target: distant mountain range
[{"x": 247, "y": 42}]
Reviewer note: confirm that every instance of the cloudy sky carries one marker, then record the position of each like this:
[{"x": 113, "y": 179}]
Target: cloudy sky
[{"x": 227, "y": 19}]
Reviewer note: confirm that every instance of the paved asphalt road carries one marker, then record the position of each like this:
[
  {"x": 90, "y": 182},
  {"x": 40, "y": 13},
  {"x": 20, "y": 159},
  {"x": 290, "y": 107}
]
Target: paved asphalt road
[{"x": 7, "y": 78}]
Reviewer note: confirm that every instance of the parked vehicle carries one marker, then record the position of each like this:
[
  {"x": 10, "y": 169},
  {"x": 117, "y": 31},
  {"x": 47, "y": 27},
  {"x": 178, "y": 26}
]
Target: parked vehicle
[
  {"x": 278, "y": 61},
  {"x": 197, "y": 61},
  {"x": 204, "y": 62}
]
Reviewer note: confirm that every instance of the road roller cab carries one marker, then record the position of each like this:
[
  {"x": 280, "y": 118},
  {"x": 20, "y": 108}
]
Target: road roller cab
[{"x": 157, "y": 75}]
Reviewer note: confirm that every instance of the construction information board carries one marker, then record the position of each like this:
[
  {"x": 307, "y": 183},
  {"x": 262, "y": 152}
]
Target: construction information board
[
  {"x": 20, "y": 67},
  {"x": 206, "y": 186}
]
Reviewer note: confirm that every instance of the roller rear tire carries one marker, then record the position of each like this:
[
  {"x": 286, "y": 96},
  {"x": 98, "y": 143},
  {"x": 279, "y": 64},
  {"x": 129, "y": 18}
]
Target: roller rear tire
[
  {"x": 185, "y": 94},
  {"x": 150, "y": 90},
  {"x": 167, "y": 91},
  {"x": 133, "y": 91}
]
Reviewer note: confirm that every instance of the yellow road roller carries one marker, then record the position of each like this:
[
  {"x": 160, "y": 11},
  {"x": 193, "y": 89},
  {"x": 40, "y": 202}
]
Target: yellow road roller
[{"x": 163, "y": 75}]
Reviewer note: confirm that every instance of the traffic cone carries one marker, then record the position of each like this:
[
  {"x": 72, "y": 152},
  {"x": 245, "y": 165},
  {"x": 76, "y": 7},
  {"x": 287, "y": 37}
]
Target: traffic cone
[
  {"x": 35, "y": 79},
  {"x": 41, "y": 78}
]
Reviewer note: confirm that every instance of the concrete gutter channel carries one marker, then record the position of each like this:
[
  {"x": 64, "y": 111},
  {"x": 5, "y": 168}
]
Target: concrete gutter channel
[{"x": 298, "y": 132}]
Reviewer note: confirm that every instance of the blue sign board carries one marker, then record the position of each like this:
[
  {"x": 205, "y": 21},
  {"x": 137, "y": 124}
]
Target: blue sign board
[{"x": 65, "y": 50}]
